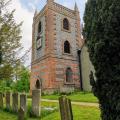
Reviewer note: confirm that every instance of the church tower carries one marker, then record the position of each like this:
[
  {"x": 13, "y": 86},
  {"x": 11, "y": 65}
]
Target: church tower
[{"x": 56, "y": 39}]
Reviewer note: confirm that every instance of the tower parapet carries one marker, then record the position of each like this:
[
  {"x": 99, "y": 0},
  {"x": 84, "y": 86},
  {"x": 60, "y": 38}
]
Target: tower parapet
[
  {"x": 63, "y": 10},
  {"x": 58, "y": 8},
  {"x": 50, "y": 1}
]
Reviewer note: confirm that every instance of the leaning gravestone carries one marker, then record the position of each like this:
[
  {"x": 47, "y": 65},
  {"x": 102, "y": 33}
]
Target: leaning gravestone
[
  {"x": 8, "y": 100},
  {"x": 15, "y": 102},
  {"x": 65, "y": 108},
  {"x": 21, "y": 114},
  {"x": 1, "y": 100},
  {"x": 36, "y": 108},
  {"x": 23, "y": 102}
]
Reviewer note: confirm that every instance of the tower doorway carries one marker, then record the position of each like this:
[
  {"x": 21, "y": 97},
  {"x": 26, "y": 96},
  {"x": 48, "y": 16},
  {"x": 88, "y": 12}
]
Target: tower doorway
[{"x": 38, "y": 84}]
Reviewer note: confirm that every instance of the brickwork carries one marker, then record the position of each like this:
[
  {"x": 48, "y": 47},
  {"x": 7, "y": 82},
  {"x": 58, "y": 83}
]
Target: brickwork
[
  {"x": 49, "y": 64},
  {"x": 52, "y": 73}
]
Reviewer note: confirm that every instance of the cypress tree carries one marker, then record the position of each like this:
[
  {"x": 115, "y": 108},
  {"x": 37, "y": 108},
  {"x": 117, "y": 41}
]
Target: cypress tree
[
  {"x": 0, "y": 55},
  {"x": 102, "y": 34}
]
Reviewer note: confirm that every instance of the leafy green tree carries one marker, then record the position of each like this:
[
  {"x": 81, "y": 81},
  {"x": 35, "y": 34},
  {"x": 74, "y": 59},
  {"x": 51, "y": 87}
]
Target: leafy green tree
[
  {"x": 23, "y": 84},
  {"x": 102, "y": 34},
  {"x": 9, "y": 41}
]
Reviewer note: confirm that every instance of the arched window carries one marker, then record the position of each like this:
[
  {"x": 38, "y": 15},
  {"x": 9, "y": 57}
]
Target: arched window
[
  {"x": 66, "y": 47},
  {"x": 69, "y": 75},
  {"x": 39, "y": 27},
  {"x": 66, "y": 24}
]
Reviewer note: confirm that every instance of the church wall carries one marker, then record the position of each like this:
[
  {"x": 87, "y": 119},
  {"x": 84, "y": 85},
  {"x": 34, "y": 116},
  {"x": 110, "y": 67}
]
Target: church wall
[
  {"x": 52, "y": 73},
  {"x": 42, "y": 70},
  {"x": 62, "y": 36},
  {"x": 61, "y": 66},
  {"x": 41, "y": 52}
]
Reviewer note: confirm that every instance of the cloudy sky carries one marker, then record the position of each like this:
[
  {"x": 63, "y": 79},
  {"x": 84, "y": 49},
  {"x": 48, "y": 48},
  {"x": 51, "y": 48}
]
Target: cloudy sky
[{"x": 25, "y": 11}]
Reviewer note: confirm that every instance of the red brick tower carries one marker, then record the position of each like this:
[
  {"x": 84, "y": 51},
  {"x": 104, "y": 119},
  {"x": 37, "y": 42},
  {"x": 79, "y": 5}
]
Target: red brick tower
[{"x": 56, "y": 39}]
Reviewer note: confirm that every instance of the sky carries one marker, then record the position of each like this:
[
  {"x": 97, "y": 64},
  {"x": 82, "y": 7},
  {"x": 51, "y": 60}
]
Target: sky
[{"x": 25, "y": 10}]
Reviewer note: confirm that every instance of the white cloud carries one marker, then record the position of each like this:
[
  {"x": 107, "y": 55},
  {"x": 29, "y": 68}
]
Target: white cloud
[
  {"x": 68, "y": 4},
  {"x": 32, "y": 6},
  {"x": 36, "y": 1},
  {"x": 23, "y": 14}
]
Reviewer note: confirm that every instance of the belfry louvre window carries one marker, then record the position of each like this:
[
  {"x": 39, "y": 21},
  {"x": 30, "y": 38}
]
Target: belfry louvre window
[
  {"x": 39, "y": 27},
  {"x": 69, "y": 75},
  {"x": 65, "y": 24},
  {"x": 66, "y": 47}
]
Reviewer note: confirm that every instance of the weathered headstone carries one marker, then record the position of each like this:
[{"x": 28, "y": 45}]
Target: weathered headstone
[
  {"x": 15, "y": 102},
  {"x": 8, "y": 100},
  {"x": 23, "y": 102},
  {"x": 21, "y": 114},
  {"x": 36, "y": 108},
  {"x": 65, "y": 108},
  {"x": 1, "y": 100}
]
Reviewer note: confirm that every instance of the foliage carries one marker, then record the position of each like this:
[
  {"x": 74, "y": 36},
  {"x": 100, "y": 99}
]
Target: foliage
[
  {"x": 9, "y": 41},
  {"x": 23, "y": 84},
  {"x": 102, "y": 34},
  {"x": 6, "y": 85}
]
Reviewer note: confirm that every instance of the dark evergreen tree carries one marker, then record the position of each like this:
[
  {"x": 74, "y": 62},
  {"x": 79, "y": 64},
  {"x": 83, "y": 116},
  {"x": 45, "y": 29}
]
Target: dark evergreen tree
[
  {"x": 102, "y": 34},
  {"x": 0, "y": 55}
]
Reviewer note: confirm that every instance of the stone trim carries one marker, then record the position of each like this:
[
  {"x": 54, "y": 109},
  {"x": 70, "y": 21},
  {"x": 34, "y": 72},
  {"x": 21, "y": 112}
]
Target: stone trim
[{"x": 53, "y": 56}]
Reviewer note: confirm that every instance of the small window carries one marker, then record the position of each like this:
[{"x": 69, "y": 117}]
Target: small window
[
  {"x": 39, "y": 27},
  {"x": 66, "y": 47},
  {"x": 69, "y": 75},
  {"x": 65, "y": 24}
]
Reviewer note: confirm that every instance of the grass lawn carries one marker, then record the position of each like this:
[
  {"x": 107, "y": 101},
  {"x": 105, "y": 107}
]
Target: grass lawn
[
  {"x": 79, "y": 113},
  {"x": 78, "y": 97}
]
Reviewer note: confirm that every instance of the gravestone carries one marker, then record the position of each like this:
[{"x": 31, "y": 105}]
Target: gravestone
[
  {"x": 15, "y": 102},
  {"x": 23, "y": 102},
  {"x": 65, "y": 108},
  {"x": 21, "y": 114},
  {"x": 1, "y": 100},
  {"x": 8, "y": 101},
  {"x": 36, "y": 107}
]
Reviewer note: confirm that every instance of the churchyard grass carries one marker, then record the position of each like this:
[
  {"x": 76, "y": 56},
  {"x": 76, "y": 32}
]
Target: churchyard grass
[
  {"x": 79, "y": 112},
  {"x": 77, "y": 96}
]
